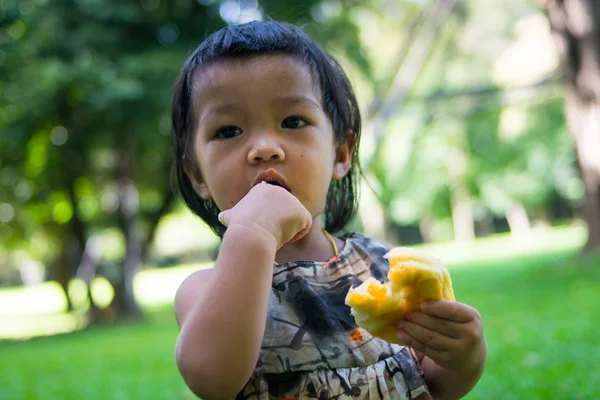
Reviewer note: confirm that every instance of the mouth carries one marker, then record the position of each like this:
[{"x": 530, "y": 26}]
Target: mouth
[{"x": 271, "y": 177}]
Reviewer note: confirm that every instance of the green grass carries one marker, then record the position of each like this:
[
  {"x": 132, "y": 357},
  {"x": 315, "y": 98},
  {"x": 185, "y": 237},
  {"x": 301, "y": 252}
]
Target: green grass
[
  {"x": 133, "y": 361},
  {"x": 541, "y": 317},
  {"x": 540, "y": 311},
  {"x": 39, "y": 310}
]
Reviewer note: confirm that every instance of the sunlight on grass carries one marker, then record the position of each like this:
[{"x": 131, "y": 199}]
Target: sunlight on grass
[
  {"x": 25, "y": 327},
  {"x": 45, "y": 298},
  {"x": 155, "y": 287},
  {"x": 539, "y": 240},
  {"x": 39, "y": 310}
]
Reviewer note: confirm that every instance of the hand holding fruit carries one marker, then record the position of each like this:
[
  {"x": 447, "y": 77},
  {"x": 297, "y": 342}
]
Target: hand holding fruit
[
  {"x": 449, "y": 333},
  {"x": 417, "y": 308},
  {"x": 414, "y": 277}
]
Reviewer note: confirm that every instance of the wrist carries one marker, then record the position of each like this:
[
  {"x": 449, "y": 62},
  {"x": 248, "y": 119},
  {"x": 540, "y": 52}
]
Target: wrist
[
  {"x": 478, "y": 365},
  {"x": 254, "y": 234},
  {"x": 447, "y": 384}
]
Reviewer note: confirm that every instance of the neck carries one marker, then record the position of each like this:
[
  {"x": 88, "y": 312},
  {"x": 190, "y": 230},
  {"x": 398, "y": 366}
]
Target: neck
[{"x": 314, "y": 246}]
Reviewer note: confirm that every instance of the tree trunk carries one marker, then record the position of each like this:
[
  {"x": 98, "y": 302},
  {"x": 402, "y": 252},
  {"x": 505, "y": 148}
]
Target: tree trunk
[
  {"x": 518, "y": 220},
  {"x": 62, "y": 266},
  {"x": 462, "y": 215},
  {"x": 574, "y": 26},
  {"x": 124, "y": 303},
  {"x": 155, "y": 217},
  {"x": 72, "y": 236},
  {"x": 426, "y": 228},
  {"x": 86, "y": 271},
  {"x": 460, "y": 198},
  {"x": 588, "y": 146},
  {"x": 372, "y": 214},
  {"x": 485, "y": 226}
]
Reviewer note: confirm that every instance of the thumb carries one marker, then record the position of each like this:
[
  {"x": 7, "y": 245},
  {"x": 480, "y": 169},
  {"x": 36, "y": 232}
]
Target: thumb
[{"x": 224, "y": 217}]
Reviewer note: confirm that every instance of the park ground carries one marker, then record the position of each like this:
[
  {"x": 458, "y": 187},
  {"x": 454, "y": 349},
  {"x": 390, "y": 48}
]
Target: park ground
[{"x": 538, "y": 298}]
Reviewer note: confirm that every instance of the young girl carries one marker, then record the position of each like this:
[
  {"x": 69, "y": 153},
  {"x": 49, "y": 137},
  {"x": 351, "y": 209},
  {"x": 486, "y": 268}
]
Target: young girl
[{"x": 266, "y": 130}]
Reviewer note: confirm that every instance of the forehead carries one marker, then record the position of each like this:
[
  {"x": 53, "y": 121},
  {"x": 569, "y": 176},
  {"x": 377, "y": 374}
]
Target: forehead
[{"x": 255, "y": 75}]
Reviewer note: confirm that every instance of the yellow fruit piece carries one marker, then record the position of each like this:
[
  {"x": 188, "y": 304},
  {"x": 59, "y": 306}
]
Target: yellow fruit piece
[{"x": 414, "y": 277}]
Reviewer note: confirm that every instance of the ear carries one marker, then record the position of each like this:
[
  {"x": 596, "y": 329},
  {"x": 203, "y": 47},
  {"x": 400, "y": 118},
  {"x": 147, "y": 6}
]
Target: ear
[
  {"x": 343, "y": 157},
  {"x": 196, "y": 179}
]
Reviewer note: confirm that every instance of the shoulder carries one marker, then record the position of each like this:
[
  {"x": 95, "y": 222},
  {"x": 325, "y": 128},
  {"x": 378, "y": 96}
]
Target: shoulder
[{"x": 189, "y": 291}]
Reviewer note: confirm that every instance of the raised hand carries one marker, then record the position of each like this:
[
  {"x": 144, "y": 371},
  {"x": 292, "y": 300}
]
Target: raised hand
[{"x": 272, "y": 209}]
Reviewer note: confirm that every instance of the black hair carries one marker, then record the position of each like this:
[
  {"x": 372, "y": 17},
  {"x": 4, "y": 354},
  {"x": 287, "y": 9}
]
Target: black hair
[{"x": 257, "y": 38}]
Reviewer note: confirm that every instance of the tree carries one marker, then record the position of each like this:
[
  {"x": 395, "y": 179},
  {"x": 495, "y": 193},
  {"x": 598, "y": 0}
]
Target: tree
[
  {"x": 576, "y": 29},
  {"x": 90, "y": 127},
  {"x": 85, "y": 91},
  {"x": 444, "y": 156}
]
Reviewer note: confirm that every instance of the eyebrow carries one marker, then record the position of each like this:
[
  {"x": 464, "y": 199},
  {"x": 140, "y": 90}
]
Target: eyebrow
[
  {"x": 293, "y": 99},
  {"x": 218, "y": 109}
]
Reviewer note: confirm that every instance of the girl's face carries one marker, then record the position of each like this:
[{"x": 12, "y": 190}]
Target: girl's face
[{"x": 257, "y": 114}]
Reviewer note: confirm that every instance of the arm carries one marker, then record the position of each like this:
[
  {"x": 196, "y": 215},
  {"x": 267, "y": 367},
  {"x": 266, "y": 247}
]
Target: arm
[
  {"x": 222, "y": 312},
  {"x": 461, "y": 322},
  {"x": 222, "y": 307},
  {"x": 447, "y": 385}
]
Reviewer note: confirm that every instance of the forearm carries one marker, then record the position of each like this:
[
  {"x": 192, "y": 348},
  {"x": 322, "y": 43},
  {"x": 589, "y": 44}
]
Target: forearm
[
  {"x": 220, "y": 339},
  {"x": 444, "y": 384}
]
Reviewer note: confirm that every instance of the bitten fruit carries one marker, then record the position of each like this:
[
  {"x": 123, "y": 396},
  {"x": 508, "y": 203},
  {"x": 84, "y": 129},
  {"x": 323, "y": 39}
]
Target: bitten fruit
[{"x": 414, "y": 277}]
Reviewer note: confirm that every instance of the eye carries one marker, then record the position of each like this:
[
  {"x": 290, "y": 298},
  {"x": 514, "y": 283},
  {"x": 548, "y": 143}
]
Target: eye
[
  {"x": 293, "y": 123},
  {"x": 228, "y": 132}
]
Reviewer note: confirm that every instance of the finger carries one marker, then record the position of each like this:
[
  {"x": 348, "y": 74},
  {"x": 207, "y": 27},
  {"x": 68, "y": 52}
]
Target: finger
[
  {"x": 450, "y": 310},
  {"x": 224, "y": 217},
  {"x": 440, "y": 325},
  {"x": 427, "y": 337},
  {"x": 408, "y": 340}
]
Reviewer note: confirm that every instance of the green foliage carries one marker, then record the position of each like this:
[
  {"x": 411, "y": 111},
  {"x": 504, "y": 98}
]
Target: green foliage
[
  {"x": 462, "y": 131},
  {"x": 85, "y": 91}
]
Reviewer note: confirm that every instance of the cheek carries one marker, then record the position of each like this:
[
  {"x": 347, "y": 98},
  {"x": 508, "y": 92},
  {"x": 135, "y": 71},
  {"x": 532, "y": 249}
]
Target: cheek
[
  {"x": 320, "y": 165},
  {"x": 226, "y": 182},
  {"x": 217, "y": 162}
]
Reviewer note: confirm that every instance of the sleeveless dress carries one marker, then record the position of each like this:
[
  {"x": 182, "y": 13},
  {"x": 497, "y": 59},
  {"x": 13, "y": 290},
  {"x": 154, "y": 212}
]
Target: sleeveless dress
[{"x": 312, "y": 347}]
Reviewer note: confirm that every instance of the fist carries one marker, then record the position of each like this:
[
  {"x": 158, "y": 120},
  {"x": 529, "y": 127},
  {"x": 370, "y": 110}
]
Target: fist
[{"x": 272, "y": 209}]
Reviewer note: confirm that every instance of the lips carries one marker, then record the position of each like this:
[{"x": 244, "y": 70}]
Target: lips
[{"x": 272, "y": 177}]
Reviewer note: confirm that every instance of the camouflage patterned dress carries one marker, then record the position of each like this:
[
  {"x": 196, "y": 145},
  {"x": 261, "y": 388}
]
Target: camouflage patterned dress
[{"x": 312, "y": 348}]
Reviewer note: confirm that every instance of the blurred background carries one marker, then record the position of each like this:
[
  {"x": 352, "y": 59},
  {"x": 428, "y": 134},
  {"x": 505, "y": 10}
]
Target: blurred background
[{"x": 481, "y": 144}]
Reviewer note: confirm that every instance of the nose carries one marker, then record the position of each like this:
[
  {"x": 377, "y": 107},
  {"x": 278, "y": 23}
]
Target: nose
[{"x": 265, "y": 148}]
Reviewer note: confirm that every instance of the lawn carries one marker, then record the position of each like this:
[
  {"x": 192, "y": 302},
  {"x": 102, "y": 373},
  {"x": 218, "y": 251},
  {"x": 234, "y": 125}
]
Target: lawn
[
  {"x": 124, "y": 362},
  {"x": 540, "y": 310},
  {"x": 541, "y": 316}
]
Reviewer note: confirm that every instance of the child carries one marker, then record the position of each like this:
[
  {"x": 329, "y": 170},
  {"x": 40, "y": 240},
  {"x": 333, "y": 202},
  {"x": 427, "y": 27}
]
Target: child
[{"x": 266, "y": 130}]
